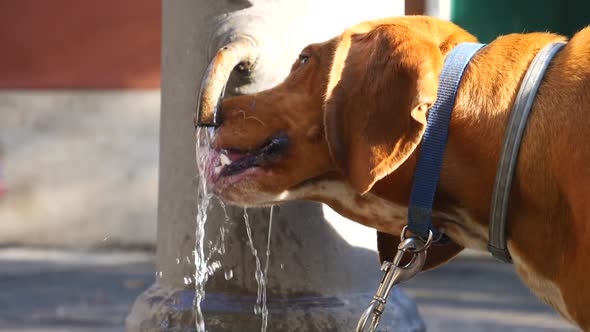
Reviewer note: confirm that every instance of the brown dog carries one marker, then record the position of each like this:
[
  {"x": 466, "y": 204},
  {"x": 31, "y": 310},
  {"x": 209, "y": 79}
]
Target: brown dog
[{"x": 345, "y": 126}]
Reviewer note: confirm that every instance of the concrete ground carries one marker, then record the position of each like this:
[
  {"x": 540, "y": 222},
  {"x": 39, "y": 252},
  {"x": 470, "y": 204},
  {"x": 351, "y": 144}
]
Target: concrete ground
[
  {"x": 53, "y": 290},
  {"x": 49, "y": 290}
]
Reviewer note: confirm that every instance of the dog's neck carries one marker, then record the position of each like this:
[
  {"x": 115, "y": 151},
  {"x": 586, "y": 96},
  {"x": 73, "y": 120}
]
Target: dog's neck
[
  {"x": 480, "y": 116},
  {"x": 476, "y": 135}
]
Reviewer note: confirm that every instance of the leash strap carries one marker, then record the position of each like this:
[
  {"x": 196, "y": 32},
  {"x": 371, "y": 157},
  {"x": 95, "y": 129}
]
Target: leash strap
[
  {"x": 509, "y": 157},
  {"x": 435, "y": 140}
]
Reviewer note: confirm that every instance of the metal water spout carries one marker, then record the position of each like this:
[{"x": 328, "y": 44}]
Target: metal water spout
[{"x": 240, "y": 53}]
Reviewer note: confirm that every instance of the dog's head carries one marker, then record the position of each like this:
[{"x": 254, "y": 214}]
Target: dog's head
[{"x": 352, "y": 109}]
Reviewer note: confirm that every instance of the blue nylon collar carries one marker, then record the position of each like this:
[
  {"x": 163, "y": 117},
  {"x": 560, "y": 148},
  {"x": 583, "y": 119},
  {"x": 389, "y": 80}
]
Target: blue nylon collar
[{"x": 435, "y": 140}]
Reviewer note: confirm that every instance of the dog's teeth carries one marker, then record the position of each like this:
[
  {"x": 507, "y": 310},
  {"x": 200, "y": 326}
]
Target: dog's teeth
[
  {"x": 224, "y": 160},
  {"x": 217, "y": 170}
]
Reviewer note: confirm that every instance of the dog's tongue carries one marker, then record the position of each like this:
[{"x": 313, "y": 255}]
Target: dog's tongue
[{"x": 234, "y": 155}]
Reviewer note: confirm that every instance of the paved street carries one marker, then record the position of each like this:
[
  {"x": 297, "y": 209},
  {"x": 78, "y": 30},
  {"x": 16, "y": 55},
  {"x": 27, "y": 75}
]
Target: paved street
[{"x": 51, "y": 290}]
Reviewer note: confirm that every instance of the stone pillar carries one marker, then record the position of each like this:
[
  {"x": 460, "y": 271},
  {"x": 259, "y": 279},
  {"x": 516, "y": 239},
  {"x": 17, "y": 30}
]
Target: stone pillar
[{"x": 316, "y": 280}]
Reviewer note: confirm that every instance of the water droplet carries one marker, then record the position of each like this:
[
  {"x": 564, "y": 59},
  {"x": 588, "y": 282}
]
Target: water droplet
[
  {"x": 257, "y": 309},
  {"x": 188, "y": 280},
  {"x": 229, "y": 274},
  {"x": 177, "y": 261},
  {"x": 213, "y": 267},
  {"x": 282, "y": 266}
]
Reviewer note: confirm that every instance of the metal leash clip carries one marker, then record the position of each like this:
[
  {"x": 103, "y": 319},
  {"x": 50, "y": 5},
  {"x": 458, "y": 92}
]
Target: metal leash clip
[{"x": 394, "y": 274}]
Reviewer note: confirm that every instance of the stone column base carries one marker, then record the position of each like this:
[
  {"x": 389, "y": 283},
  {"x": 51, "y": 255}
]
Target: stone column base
[{"x": 160, "y": 309}]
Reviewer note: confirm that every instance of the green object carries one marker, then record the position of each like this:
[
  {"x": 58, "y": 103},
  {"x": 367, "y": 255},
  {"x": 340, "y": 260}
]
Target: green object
[{"x": 487, "y": 19}]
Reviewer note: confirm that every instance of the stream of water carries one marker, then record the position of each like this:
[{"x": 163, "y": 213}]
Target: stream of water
[
  {"x": 204, "y": 267},
  {"x": 203, "y": 201},
  {"x": 261, "y": 275}
]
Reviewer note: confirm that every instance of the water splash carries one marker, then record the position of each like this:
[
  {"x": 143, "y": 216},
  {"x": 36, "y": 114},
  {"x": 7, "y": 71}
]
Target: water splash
[
  {"x": 201, "y": 269},
  {"x": 204, "y": 266},
  {"x": 203, "y": 199},
  {"x": 264, "y": 307}
]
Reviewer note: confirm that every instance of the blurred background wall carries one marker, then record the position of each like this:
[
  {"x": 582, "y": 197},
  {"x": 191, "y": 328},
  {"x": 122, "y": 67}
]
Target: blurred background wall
[
  {"x": 79, "y": 114},
  {"x": 70, "y": 44}
]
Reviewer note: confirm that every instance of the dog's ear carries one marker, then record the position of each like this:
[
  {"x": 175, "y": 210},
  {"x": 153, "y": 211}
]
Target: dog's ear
[
  {"x": 381, "y": 84},
  {"x": 387, "y": 248}
]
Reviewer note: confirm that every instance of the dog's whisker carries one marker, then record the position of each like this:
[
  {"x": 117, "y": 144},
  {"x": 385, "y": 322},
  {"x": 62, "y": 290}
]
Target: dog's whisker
[{"x": 257, "y": 119}]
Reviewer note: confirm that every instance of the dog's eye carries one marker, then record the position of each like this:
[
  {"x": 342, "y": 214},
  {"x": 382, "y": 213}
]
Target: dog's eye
[{"x": 304, "y": 58}]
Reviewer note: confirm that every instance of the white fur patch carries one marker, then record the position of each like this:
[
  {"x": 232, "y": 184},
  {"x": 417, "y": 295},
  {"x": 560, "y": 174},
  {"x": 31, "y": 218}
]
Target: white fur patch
[{"x": 384, "y": 215}]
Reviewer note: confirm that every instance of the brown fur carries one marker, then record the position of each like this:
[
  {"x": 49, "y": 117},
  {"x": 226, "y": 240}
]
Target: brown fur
[{"x": 369, "y": 90}]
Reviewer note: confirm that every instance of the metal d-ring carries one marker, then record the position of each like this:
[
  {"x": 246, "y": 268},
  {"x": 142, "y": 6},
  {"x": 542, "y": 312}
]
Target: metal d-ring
[{"x": 427, "y": 242}]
